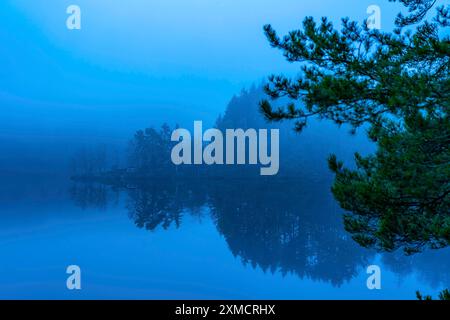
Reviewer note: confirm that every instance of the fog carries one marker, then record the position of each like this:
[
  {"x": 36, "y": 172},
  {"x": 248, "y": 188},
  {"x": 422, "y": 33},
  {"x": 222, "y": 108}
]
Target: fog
[{"x": 131, "y": 66}]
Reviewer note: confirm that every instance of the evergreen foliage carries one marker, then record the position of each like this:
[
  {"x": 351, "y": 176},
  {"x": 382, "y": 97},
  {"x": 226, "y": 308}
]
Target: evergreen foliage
[
  {"x": 443, "y": 295},
  {"x": 398, "y": 85}
]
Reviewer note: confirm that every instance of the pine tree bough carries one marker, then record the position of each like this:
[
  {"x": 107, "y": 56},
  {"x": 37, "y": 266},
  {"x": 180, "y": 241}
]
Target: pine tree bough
[{"x": 398, "y": 85}]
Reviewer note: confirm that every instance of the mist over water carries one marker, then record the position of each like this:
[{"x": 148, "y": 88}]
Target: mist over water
[{"x": 215, "y": 234}]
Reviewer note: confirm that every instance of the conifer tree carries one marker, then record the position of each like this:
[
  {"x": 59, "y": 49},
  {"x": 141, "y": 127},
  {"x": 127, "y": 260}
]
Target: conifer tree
[{"x": 397, "y": 85}]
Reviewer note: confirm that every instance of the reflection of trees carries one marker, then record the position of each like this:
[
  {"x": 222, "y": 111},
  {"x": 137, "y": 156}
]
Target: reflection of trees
[
  {"x": 288, "y": 227},
  {"x": 162, "y": 203},
  {"x": 285, "y": 225},
  {"x": 431, "y": 265},
  {"x": 95, "y": 195},
  {"x": 278, "y": 226}
]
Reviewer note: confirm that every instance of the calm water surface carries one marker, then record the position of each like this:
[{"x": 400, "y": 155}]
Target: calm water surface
[{"x": 197, "y": 239}]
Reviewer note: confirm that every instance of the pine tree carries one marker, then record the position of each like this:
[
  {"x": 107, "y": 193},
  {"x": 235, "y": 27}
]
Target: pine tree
[
  {"x": 443, "y": 295},
  {"x": 397, "y": 84}
]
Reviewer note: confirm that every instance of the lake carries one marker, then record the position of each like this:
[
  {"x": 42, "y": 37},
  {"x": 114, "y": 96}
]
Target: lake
[{"x": 197, "y": 239}]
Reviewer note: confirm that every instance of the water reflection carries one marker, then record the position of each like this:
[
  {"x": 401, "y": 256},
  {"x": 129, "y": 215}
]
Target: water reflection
[
  {"x": 162, "y": 203},
  {"x": 287, "y": 226},
  {"x": 92, "y": 195}
]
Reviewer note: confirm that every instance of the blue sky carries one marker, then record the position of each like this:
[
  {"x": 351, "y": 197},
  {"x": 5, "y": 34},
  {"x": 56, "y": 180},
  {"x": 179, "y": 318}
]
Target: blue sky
[
  {"x": 137, "y": 63},
  {"x": 142, "y": 52}
]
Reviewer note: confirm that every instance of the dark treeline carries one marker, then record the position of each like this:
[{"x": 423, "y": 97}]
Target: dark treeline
[
  {"x": 91, "y": 161},
  {"x": 149, "y": 150}
]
